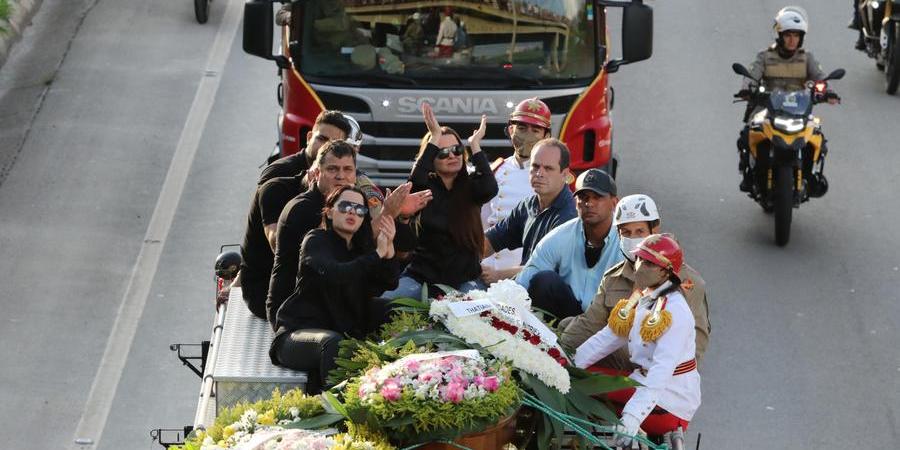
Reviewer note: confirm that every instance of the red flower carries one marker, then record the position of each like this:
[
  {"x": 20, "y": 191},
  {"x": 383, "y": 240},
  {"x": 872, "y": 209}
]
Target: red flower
[
  {"x": 513, "y": 329},
  {"x": 485, "y": 313},
  {"x": 554, "y": 352},
  {"x": 562, "y": 361},
  {"x": 526, "y": 334},
  {"x": 534, "y": 339}
]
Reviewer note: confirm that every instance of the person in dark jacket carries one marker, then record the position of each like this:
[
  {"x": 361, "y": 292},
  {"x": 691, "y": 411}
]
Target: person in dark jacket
[
  {"x": 450, "y": 237},
  {"x": 342, "y": 269}
]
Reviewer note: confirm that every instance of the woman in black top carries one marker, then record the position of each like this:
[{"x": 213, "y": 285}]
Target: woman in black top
[
  {"x": 342, "y": 267},
  {"x": 450, "y": 236}
]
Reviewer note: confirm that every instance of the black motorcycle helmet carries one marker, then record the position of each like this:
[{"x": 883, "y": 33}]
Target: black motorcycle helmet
[{"x": 228, "y": 264}]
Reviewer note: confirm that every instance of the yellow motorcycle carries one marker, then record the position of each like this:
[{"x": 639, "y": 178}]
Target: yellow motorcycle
[{"x": 782, "y": 149}]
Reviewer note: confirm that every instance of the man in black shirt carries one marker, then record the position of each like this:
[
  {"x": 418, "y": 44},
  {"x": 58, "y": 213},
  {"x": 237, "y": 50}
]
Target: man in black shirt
[
  {"x": 335, "y": 166},
  {"x": 329, "y": 126},
  {"x": 278, "y": 184}
]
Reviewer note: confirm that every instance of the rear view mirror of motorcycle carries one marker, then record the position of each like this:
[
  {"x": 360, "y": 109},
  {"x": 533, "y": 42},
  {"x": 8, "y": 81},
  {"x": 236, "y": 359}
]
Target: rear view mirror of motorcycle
[
  {"x": 739, "y": 69},
  {"x": 836, "y": 75}
]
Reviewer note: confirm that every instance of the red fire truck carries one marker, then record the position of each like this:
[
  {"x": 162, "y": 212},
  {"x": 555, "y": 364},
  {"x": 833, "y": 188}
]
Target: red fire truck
[{"x": 379, "y": 60}]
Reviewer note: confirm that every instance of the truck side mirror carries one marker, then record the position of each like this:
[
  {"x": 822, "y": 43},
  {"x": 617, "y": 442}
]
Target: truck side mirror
[
  {"x": 637, "y": 35},
  {"x": 637, "y": 32},
  {"x": 258, "y": 24}
]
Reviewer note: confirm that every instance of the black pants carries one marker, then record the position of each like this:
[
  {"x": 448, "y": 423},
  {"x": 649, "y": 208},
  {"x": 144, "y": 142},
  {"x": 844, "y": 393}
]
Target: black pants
[
  {"x": 548, "y": 291},
  {"x": 313, "y": 350},
  {"x": 254, "y": 294}
]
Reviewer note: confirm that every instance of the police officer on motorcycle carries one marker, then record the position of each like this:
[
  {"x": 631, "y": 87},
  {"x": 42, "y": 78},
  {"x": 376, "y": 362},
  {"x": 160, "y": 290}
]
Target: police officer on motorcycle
[{"x": 783, "y": 65}]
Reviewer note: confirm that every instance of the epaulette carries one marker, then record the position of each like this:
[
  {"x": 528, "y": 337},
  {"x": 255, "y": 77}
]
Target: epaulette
[
  {"x": 495, "y": 166},
  {"x": 614, "y": 268}
]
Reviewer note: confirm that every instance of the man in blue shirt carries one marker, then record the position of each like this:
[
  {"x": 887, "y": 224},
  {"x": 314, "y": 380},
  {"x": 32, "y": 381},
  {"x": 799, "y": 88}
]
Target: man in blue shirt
[
  {"x": 532, "y": 218},
  {"x": 564, "y": 270}
]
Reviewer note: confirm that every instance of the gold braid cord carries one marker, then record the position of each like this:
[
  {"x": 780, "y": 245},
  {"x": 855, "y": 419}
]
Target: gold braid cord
[
  {"x": 656, "y": 323},
  {"x": 621, "y": 318}
]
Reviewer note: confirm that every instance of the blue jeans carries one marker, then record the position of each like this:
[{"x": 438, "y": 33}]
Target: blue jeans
[{"x": 409, "y": 287}]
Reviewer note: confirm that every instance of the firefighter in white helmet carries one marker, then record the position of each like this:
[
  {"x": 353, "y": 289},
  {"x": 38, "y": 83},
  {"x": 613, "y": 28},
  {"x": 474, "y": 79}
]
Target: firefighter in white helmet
[{"x": 636, "y": 217}]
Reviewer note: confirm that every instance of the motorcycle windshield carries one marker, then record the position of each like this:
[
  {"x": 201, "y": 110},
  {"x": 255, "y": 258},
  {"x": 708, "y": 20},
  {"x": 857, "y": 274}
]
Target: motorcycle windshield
[{"x": 790, "y": 103}]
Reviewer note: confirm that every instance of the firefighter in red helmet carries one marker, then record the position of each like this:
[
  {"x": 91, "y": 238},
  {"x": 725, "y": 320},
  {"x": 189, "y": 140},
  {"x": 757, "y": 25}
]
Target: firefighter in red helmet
[{"x": 658, "y": 327}]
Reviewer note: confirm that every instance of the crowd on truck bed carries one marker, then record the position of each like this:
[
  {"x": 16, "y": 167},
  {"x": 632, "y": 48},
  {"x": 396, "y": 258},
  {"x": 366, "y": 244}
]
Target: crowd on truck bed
[{"x": 325, "y": 252}]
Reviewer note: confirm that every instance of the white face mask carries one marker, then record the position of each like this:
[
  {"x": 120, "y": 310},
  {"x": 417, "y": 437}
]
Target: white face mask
[{"x": 629, "y": 244}]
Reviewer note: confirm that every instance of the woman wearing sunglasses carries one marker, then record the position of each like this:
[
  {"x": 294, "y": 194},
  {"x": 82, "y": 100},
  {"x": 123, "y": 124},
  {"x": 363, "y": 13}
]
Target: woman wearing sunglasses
[
  {"x": 450, "y": 236},
  {"x": 342, "y": 269}
]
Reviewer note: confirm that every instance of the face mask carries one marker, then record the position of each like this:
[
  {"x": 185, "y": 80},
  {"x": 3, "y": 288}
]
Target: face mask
[
  {"x": 629, "y": 244},
  {"x": 648, "y": 275},
  {"x": 523, "y": 143}
]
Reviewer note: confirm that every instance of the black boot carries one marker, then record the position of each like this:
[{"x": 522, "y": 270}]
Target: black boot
[
  {"x": 746, "y": 181},
  {"x": 860, "y": 42}
]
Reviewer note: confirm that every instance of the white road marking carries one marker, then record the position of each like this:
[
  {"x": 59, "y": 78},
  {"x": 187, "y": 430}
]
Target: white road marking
[{"x": 103, "y": 390}]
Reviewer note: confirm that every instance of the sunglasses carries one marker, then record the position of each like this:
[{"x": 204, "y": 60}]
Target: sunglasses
[
  {"x": 347, "y": 206},
  {"x": 457, "y": 150}
]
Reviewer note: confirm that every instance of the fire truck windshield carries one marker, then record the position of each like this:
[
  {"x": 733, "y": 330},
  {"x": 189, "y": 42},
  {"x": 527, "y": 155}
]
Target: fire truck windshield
[{"x": 488, "y": 44}]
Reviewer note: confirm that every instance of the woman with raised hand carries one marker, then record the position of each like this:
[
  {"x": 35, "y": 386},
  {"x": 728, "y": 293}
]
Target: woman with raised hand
[
  {"x": 450, "y": 237},
  {"x": 343, "y": 268}
]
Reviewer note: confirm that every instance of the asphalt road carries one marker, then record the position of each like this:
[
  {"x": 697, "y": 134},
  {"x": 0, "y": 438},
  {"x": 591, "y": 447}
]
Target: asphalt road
[{"x": 803, "y": 350}]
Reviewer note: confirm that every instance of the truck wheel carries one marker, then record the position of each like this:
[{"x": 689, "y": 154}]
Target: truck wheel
[
  {"x": 201, "y": 10},
  {"x": 784, "y": 203},
  {"x": 892, "y": 65}
]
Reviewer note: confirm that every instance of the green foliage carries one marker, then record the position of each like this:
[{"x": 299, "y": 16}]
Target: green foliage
[
  {"x": 358, "y": 435},
  {"x": 404, "y": 321},
  {"x": 578, "y": 402},
  {"x": 356, "y": 356},
  {"x": 274, "y": 409},
  {"x": 5, "y": 12},
  {"x": 410, "y": 420}
]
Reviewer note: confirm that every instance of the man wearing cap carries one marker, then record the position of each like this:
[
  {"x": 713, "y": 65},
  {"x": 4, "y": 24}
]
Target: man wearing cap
[
  {"x": 551, "y": 205},
  {"x": 528, "y": 124},
  {"x": 564, "y": 271},
  {"x": 636, "y": 218}
]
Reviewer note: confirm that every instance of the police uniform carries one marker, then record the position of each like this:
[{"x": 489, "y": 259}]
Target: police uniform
[
  {"x": 786, "y": 73},
  {"x": 666, "y": 368},
  {"x": 514, "y": 187},
  {"x": 618, "y": 283}
]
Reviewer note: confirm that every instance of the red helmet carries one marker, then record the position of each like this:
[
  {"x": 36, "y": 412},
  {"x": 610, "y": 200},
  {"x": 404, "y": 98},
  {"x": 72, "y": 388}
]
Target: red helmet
[
  {"x": 531, "y": 111},
  {"x": 662, "y": 250}
]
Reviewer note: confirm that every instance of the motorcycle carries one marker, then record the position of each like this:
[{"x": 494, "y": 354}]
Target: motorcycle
[
  {"x": 782, "y": 150},
  {"x": 880, "y": 31}
]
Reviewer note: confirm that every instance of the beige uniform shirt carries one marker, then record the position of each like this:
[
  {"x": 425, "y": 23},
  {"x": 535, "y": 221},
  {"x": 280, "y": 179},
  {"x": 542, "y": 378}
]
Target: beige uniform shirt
[
  {"x": 618, "y": 283},
  {"x": 785, "y": 73}
]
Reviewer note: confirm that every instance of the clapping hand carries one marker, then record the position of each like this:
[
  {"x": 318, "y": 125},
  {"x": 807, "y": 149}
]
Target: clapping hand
[
  {"x": 385, "y": 238},
  {"x": 414, "y": 202},
  {"x": 478, "y": 135},
  {"x": 431, "y": 122},
  {"x": 394, "y": 201}
]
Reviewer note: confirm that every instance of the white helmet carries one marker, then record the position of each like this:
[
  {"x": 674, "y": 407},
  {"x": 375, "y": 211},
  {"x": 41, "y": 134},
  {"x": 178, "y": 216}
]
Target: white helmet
[
  {"x": 635, "y": 208},
  {"x": 791, "y": 18},
  {"x": 355, "y": 137}
]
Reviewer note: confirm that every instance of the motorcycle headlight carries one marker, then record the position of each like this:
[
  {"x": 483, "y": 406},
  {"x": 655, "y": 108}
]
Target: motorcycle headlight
[
  {"x": 874, "y": 5},
  {"x": 788, "y": 125}
]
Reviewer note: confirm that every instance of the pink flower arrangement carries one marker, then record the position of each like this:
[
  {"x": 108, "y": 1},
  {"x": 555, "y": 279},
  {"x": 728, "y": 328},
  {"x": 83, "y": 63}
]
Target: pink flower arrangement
[{"x": 447, "y": 378}]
